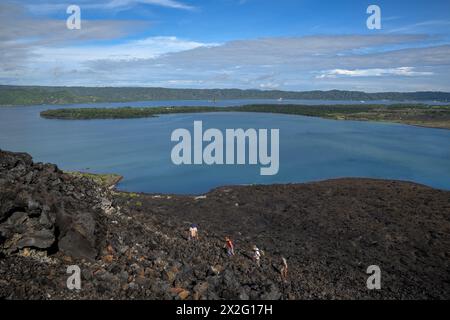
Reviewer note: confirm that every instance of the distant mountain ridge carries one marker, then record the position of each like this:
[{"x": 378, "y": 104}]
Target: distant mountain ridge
[{"x": 30, "y": 95}]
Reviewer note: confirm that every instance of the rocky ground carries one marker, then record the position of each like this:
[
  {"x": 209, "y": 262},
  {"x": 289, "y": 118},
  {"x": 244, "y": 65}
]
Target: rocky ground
[{"x": 135, "y": 246}]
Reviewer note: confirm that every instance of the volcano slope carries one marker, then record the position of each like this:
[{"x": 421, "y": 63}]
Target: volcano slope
[{"x": 135, "y": 246}]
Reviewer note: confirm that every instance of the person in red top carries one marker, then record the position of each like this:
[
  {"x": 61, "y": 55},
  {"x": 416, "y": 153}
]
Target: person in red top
[{"x": 230, "y": 247}]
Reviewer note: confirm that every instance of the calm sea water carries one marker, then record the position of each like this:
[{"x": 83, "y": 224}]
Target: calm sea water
[{"x": 310, "y": 148}]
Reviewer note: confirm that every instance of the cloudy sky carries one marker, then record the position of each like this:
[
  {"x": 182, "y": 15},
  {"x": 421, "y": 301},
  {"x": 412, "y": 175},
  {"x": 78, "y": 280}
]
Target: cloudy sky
[{"x": 260, "y": 44}]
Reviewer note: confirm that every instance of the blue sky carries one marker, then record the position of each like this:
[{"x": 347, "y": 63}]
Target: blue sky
[{"x": 262, "y": 44}]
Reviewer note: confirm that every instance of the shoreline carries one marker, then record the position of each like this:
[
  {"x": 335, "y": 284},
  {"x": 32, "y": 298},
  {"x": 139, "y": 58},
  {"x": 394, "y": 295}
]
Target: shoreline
[
  {"x": 117, "y": 189},
  {"x": 426, "y": 116}
]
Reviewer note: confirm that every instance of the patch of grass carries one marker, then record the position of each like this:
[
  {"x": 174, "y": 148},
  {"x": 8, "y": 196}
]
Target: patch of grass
[
  {"x": 132, "y": 195},
  {"x": 106, "y": 180}
]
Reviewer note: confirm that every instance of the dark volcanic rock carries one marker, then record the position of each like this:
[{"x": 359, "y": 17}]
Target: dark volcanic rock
[
  {"x": 330, "y": 232},
  {"x": 41, "y": 207},
  {"x": 77, "y": 234},
  {"x": 42, "y": 239}
]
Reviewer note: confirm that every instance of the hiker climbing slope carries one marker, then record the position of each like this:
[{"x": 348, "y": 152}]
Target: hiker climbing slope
[
  {"x": 284, "y": 269},
  {"x": 229, "y": 246},
  {"x": 193, "y": 232},
  {"x": 256, "y": 255}
]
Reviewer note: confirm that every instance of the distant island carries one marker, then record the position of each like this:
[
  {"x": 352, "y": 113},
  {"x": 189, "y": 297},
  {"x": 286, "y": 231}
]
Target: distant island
[
  {"x": 37, "y": 95},
  {"x": 419, "y": 115}
]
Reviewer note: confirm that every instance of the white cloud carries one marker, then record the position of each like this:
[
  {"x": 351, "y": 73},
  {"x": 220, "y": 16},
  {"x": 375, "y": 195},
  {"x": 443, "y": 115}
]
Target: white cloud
[
  {"x": 22, "y": 36},
  {"x": 375, "y": 72},
  {"x": 293, "y": 64},
  {"x": 163, "y": 3},
  {"x": 269, "y": 85},
  {"x": 43, "y": 8},
  {"x": 420, "y": 26},
  {"x": 148, "y": 48},
  {"x": 46, "y": 53}
]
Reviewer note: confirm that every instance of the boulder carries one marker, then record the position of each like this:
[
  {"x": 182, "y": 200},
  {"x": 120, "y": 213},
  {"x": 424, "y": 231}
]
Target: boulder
[
  {"x": 75, "y": 244},
  {"x": 41, "y": 239},
  {"x": 44, "y": 208}
]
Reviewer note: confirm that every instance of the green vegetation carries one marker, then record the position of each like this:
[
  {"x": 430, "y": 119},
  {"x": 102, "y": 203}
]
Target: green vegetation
[
  {"x": 119, "y": 113},
  {"x": 421, "y": 115},
  {"x": 107, "y": 180},
  {"x": 34, "y": 95},
  {"x": 132, "y": 195}
]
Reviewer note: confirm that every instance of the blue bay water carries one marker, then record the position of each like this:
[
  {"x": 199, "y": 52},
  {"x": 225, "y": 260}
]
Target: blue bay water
[{"x": 311, "y": 149}]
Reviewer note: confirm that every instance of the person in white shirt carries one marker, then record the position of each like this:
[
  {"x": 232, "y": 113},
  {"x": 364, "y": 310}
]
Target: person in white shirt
[
  {"x": 193, "y": 232},
  {"x": 257, "y": 255}
]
